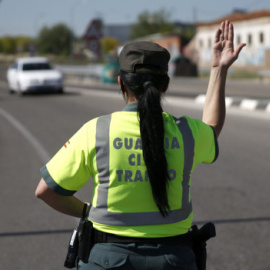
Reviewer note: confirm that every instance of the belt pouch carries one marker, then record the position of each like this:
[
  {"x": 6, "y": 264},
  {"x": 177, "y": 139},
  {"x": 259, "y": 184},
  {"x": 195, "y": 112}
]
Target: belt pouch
[{"x": 200, "y": 236}]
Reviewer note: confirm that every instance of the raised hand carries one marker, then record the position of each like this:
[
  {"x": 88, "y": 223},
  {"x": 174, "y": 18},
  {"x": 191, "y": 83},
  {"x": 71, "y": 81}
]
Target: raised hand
[{"x": 223, "y": 53}]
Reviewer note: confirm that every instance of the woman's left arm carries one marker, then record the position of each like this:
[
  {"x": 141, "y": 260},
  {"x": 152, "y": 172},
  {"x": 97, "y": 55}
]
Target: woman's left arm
[
  {"x": 223, "y": 56},
  {"x": 69, "y": 205}
]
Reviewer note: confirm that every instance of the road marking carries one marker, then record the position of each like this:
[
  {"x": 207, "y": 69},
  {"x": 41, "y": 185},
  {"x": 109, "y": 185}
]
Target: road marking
[
  {"x": 249, "y": 104},
  {"x": 201, "y": 99},
  {"x": 186, "y": 103},
  {"x": 92, "y": 92},
  {"x": 245, "y": 104},
  {"x": 268, "y": 108},
  {"x": 228, "y": 101},
  {"x": 181, "y": 103},
  {"x": 43, "y": 154}
]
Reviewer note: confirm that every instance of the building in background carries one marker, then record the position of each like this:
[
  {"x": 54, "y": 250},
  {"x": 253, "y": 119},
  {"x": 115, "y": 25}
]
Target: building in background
[
  {"x": 180, "y": 64},
  {"x": 250, "y": 28}
]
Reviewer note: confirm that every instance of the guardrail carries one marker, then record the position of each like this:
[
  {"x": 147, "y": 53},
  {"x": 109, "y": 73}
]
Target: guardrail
[
  {"x": 93, "y": 71},
  {"x": 264, "y": 73}
]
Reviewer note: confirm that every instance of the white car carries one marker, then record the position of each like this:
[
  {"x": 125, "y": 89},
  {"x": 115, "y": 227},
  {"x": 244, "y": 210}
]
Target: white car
[{"x": 33, "y": 74}]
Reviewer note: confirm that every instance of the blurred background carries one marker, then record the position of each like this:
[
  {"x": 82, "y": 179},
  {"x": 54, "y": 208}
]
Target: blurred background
[{"x": 84, "y": 32}]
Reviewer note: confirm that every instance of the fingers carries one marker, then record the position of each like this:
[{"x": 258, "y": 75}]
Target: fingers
[
  {"x": 230, "y": 32},
  {"x": 239, "y": 48},
  {"x": 217, "y": 35},
  {"x": 222, "y": 30},
  {"x": 226, "y": 31}
]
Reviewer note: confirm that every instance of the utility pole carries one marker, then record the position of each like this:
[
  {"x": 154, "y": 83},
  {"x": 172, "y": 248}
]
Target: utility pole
[{"x": 194, "y": 14}]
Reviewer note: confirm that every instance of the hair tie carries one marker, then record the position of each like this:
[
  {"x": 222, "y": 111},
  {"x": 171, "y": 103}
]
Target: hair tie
[{"x": 146, "y": 84}]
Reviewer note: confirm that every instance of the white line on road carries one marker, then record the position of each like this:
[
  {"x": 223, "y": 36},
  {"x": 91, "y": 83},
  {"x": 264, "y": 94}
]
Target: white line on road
[
  {"x": 268, "y": 108},
  {"x": 92, "y": 92},
  {"x": 249, "y": 104},
  {"x": 43, "y": 154}
]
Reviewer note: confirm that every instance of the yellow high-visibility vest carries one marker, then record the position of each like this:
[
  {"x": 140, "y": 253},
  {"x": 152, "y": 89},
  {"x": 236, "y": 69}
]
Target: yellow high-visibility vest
[{"x": 109, "y": 149}]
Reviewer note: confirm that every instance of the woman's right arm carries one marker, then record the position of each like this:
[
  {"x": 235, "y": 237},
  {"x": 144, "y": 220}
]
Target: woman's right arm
[{"x": 69, "y": 205}]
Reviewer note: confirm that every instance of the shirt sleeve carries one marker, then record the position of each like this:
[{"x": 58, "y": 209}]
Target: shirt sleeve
[
  {"x": 69, "y": 170},
  {"x": 206, "y": 145}
]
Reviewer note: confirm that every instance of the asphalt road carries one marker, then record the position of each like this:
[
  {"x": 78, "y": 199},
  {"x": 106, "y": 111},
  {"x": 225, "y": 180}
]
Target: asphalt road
[{"x": 233, "y": 192}]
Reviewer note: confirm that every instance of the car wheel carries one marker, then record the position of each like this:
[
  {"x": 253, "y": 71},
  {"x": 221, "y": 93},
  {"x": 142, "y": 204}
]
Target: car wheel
[
  {"x": 11, "y": 91},
  {"x": 61, "y": 91},
  {"x": 19, "y": 89}
]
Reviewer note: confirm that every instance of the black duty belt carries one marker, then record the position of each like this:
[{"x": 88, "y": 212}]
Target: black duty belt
[{"x": 183, "y": 239}]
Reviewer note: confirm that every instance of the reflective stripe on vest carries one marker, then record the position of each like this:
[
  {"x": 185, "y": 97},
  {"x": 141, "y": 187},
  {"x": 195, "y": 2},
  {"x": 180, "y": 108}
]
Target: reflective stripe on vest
[{"x": 100, "y": 213}]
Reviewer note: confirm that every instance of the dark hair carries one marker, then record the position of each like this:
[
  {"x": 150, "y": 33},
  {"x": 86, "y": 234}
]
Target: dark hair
[{"x": 147, "y": 88}]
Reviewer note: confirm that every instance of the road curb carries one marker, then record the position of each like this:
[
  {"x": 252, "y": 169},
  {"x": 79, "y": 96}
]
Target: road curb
[{"x": 242, "y": 103}]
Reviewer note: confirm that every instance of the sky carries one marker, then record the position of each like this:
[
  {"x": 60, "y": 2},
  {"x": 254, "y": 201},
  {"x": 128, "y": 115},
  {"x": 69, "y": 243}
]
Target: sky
[{"x": 27, "y": 17}]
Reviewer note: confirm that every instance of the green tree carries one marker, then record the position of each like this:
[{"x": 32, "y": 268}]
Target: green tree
[
  {"x": 23, "y": 43},
  {"x": 109, "y": 44},
  {"x": 8, "y": 45},
  {"x": 148, "y": 24},
  {"x": 43, "y": 40},
  {"x": 187, "y": 31},
  {"x": 12, "y": 45},
  {"x": 55, "y": 40}
]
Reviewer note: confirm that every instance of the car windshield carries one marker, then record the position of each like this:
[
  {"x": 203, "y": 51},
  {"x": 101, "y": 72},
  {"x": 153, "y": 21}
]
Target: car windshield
[{"x": 36, "y": 66}]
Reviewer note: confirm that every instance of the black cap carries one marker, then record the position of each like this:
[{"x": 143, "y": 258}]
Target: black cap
[{"x": 145, "y": 54}]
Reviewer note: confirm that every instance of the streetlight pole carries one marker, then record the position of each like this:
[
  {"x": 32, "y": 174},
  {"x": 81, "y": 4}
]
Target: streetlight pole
[
  {"x": 72, "y": 9},
  {"x": 72, "y": 28},
  {"x": 37, "y": 23}
]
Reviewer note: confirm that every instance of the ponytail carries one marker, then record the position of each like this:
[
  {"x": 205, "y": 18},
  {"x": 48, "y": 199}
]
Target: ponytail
[{"x": 152, "y": 131}]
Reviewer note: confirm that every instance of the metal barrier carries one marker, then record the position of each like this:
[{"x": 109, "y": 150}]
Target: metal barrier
[
  {"x": 92, "y": 72},
  {"x": 264, "y": 74}
]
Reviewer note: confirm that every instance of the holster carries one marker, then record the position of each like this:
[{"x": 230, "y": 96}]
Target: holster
[
  {"x": 81, "y": 241},
  {"x": 86, "y": 239},
  {"x": 200, "y": 236}
]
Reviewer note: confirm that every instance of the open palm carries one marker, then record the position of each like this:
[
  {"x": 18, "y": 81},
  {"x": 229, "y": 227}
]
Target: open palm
[{"x": 223, "y": 53}]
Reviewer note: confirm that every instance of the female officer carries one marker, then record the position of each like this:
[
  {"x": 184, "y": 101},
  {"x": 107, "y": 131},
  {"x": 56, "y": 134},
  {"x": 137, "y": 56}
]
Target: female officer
[{"x": 141, "y": 160}]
